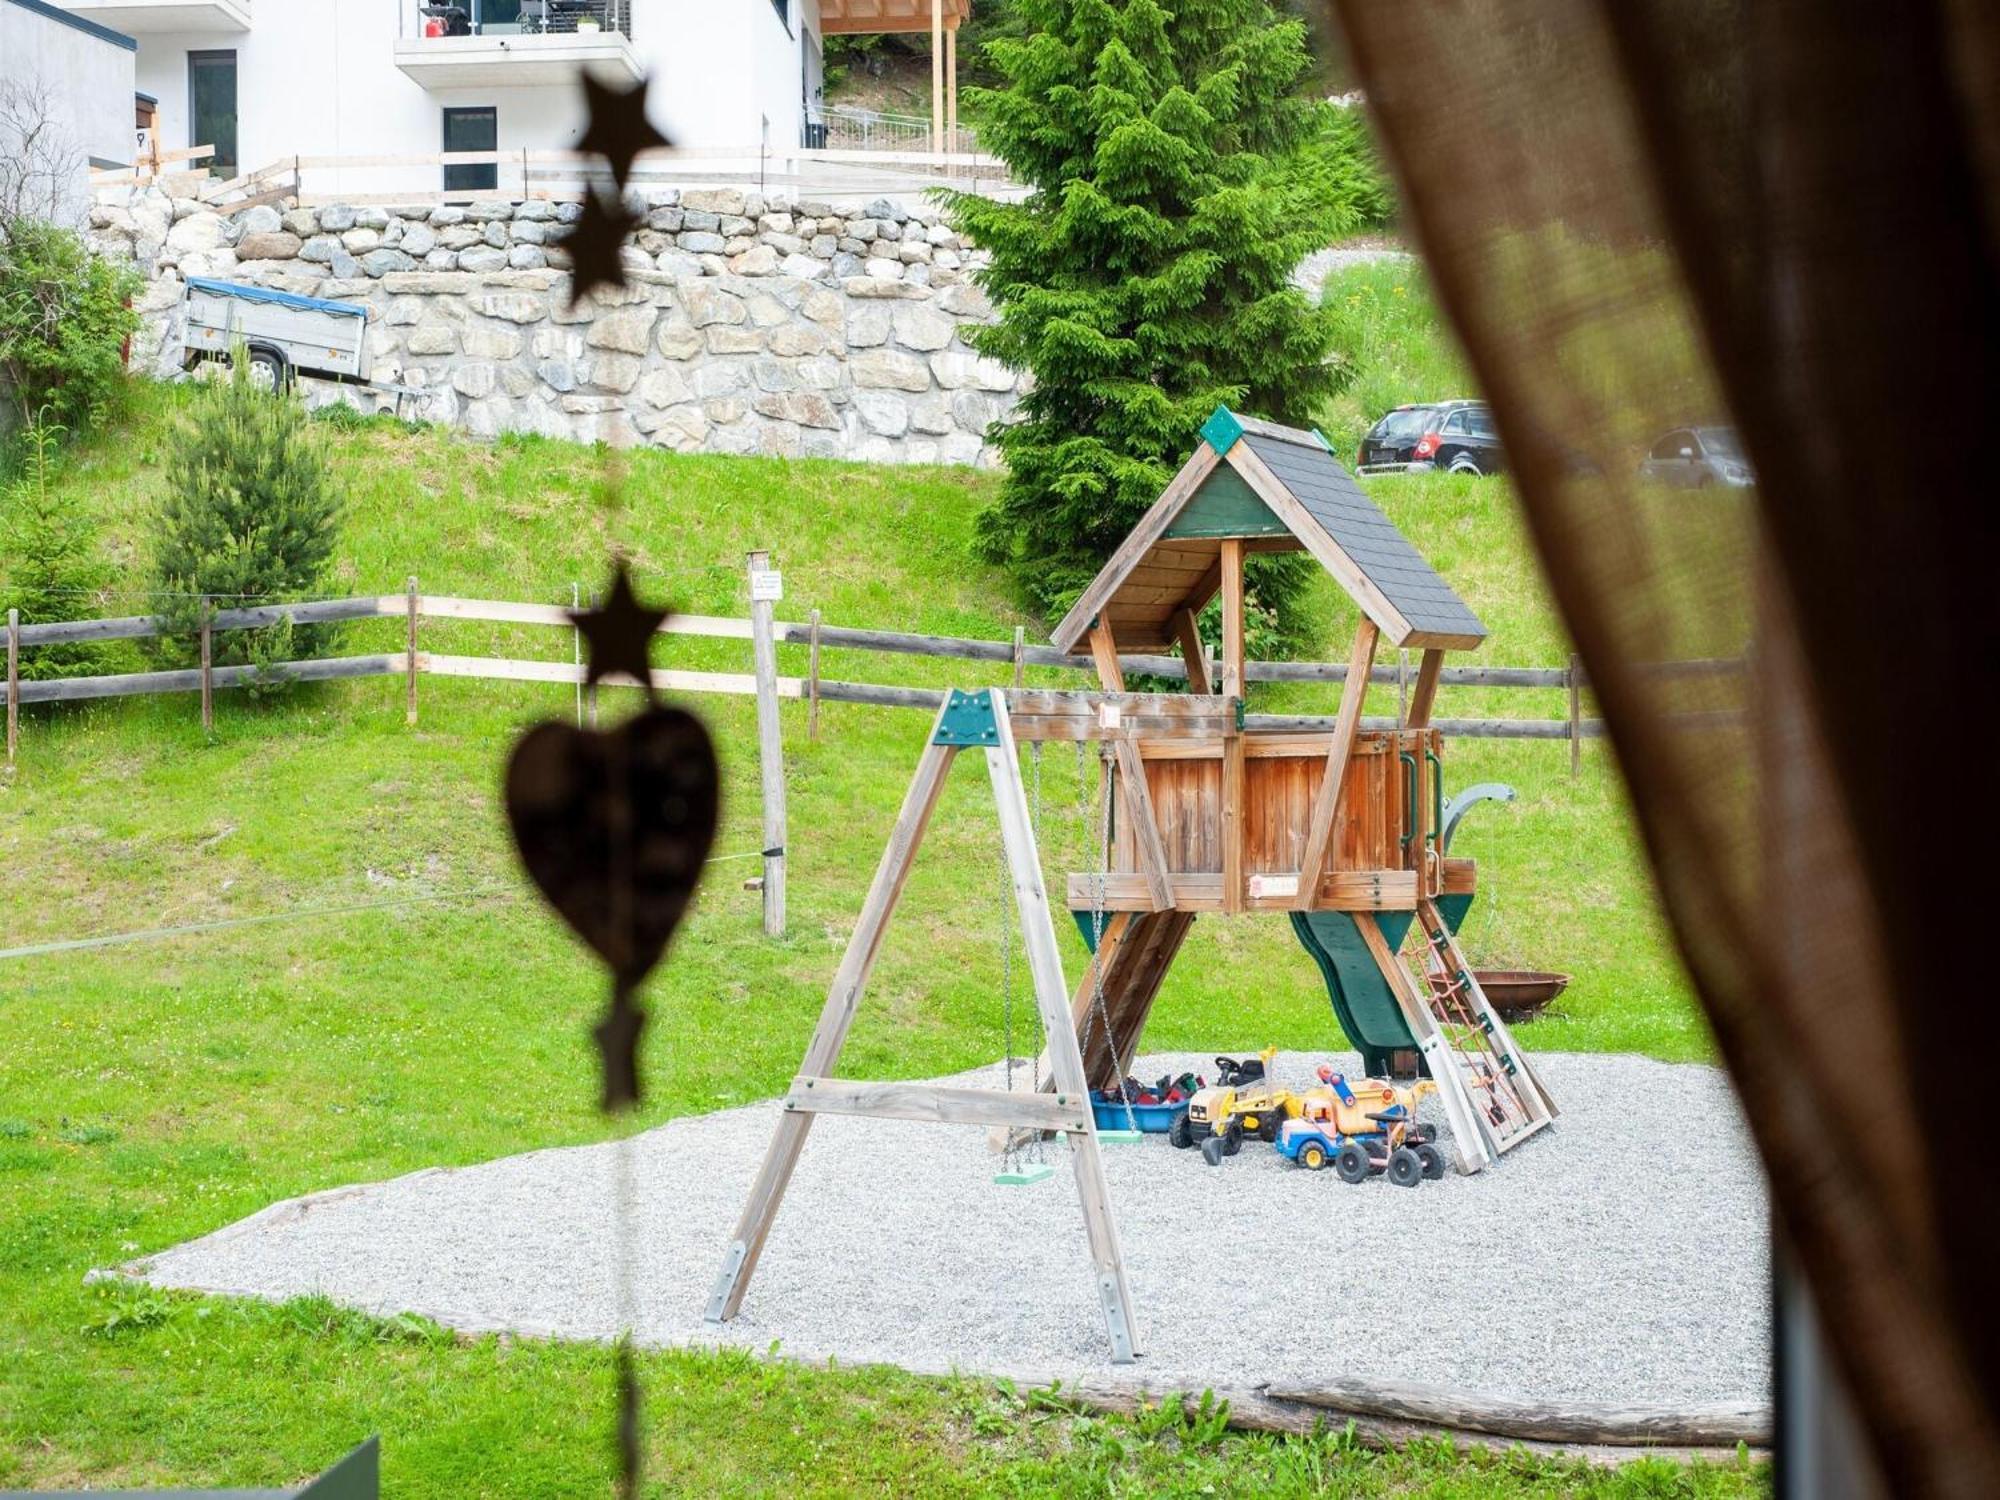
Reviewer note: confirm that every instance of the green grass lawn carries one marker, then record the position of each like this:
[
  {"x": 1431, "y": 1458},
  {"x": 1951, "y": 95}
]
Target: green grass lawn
[{"x": 155, "y": 1091}]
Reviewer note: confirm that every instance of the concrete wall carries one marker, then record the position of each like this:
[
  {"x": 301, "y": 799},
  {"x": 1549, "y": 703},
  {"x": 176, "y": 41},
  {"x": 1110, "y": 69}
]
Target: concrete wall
[
  {"x": 88, "y": 73},
  {"x": 318, "y": 78}
]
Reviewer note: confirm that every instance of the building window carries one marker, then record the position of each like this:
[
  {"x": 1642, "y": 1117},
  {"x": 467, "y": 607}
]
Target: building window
[
  {"x": 472, "y": 130},
  {"x": 212, "y": 107}
]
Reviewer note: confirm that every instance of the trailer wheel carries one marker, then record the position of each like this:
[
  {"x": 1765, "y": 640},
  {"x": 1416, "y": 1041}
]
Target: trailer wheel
[{"x": 268, "y": 369}]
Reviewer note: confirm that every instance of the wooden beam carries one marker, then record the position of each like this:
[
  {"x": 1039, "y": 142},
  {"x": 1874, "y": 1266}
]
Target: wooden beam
[
  {"x": 1326, "y": 805},
  {"x": 939, "y": 1104},
  {"x": 1339, "y": 890},
  {"x": 1187, "y": 628},
  {"x": 835, "y": 1019},
  {"x": 1104, "y": 651},
  {"x": 1231, "y": 562},
  {"x": 937, "y": 75},
  {"x": 1038, "y": 936},
  {"x": 1145, "y": 827},
  {"x": 951, "y": 86},
  {"x": 1424, "y": 698}
]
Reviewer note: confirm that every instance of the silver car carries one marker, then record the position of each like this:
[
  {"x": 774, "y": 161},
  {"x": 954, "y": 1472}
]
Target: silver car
[{"x": 1691, "y": 458}]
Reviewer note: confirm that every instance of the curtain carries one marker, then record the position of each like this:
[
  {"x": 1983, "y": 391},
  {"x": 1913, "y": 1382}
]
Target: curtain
[{"x": 1650, "y": 218}]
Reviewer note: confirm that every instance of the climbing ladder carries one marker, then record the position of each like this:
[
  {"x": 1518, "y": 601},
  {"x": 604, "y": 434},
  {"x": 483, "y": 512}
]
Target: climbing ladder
[{"x": 1508, "y": 1101}]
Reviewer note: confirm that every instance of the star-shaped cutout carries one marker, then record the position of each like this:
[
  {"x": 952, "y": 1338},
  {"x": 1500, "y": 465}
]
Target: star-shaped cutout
[
  {"x": 618, "y": 130},
  {"x": 617, "y": 1037},
  {"x": 596, "y": 245},
  {"x": 620, "y": 633}
]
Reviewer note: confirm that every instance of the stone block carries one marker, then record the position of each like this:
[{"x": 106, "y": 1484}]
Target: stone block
[
  {"x": 667, "y": 220},
  {"x": 482, "y": 341},
  {"x": 725, "y": 338},
  {"x": 758, "y": 260},
  {"x": 807, "y": 408},
  {"x": 930, "y": 415},
  {"x": 586, "y": 406},
  {"x": 381, "y": 262},
  {"x": 700, "y": 219},
  {"x": 490, "y": 212},
  {"x": 804, "y": 267},
  {"x": 373, "y": 216},
  {"x": 823, "y": 306},
  {"x": 677, "y": 338},
  {"x": 473, "y": 381},
  {"x": 273, "y": 244},
  {"x": 508, "y": 307},
  {"x": 527, "y": 257},
  {"x": 868, "y": 325},
  {"x": 965, "y": 300},
  {"x": 459, "y": 236},
  {"x": 495, "y": 233},
  {"x": 432, "y": 338},
  {"x": 794, "y": 339},
  {"x": 702, "y": 242},
  {"x": 535, "y": 211},
  {"x": 337, "y": 218},
  {"x": 957, "y": 370},
  {"x": 628, "y": 329},
  {"x": 530, "y": 232},
  {"x": 716, "y": 379},
  {"x": 516, "y": 381},
  {"x": 441, "y": 260},
  {"x": 665, "y": 386},
  {"x": 449, "y": 213},
  {"x": 890, "y": 369},
  {"x": 714, "y": 200},
  {"x": 612, "y": 371},
  {"x": 482, "y": 258},
  {"x": 881, "y": 268},
  {"x": 198, "y": 232},
  {"x": 418, "y": 239},
  {"x": 882, "y": 412},
  {"x": 723, "y": 410},
  {"x": 708, "y": 304},
  {"x": 920, "y": 326},
  {"x": 557, "y": 374},
  {"x": 302, "y": 222},
  {"x": 260, "y": 218}
]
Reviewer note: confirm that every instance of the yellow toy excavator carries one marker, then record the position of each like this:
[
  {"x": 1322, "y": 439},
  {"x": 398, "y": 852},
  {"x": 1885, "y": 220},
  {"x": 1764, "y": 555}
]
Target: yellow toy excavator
[{"x": 1242, "y": 1101}]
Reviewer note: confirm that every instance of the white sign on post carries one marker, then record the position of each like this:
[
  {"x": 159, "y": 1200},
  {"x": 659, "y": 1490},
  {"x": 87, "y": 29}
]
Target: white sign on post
[{"x": 767, "y": 587}]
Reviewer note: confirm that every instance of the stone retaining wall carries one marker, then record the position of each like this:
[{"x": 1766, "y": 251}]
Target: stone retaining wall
[{"x": 751, "y": 325}]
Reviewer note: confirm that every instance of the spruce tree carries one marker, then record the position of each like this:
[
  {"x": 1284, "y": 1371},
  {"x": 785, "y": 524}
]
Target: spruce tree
[
  {"x": 49, "y": 556},
  {"x": 1176, "y": 174},
  {"x": 250, "y": 515}
]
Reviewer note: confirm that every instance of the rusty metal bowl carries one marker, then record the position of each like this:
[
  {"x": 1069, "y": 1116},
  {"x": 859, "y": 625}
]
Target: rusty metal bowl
[{"x": 1520, "y": 994}]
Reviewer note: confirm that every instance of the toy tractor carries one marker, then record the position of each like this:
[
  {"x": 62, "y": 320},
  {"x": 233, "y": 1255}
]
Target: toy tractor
[
  {"x": 1242, "y": 1101},
  {"x": 1361, "y": 1129}
]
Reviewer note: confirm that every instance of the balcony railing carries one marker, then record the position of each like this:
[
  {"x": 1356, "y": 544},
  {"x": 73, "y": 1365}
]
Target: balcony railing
[
  {"x": 445, "y": 18},
  {"x": 839, "y": 127}
]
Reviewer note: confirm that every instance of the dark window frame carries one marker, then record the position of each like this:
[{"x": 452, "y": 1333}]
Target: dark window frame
[
  {"x": 218, "y": 165},
  {"x": 470, "y": 177}
]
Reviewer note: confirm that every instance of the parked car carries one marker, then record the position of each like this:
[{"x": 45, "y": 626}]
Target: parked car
[
  {"x": 1457, "y": 437},
  {"x": 1690, "y": 458}
]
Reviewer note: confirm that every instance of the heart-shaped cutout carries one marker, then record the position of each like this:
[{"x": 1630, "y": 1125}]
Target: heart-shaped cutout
[{"x": 614, "y": 826}]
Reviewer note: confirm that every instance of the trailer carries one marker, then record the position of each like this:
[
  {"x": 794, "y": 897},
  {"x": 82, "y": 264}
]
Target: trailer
[{"x": 284, "y": 335}]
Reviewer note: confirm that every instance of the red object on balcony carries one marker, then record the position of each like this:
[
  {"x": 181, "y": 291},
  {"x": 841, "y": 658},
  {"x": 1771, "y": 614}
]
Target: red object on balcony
[{"x": 433, "y": 26}]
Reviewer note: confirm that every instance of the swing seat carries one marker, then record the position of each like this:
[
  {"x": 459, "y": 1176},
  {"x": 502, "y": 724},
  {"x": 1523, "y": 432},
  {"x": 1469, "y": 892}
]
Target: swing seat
[
  {"x": 1119, "y": 1137},
  {"x": 1024, "y": 1175}
]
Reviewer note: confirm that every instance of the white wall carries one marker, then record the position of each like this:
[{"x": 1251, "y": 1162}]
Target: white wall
[
  {"x": 89, "y": 81},
  {"x": 320, "y": 79}
]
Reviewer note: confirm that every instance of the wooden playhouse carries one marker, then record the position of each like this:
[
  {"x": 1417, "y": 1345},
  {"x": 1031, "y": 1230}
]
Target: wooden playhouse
[{"x": 1339, "y": 828}]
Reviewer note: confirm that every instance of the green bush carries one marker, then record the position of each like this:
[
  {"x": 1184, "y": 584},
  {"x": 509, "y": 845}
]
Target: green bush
[
  {"x": 64, "y": 319},
  {"x": 48, "y": 548},
  {"x": 250, "y": 514},
  {"x": 1397, "y": 348},
  {"x": 1177, "y": 174}
]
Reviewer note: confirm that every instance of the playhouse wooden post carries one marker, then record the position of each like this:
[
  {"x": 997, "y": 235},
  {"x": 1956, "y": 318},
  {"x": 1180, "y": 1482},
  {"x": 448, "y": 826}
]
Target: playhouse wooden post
[
  {"x": 1425, "y": 697},
  {"x": 1188, "y": 630},
  {"x": 835, "y": 1018},
  {"x": 1326, "y": 805},
  {"x": 1232, "y": 745},
  {"x": 13, "y": 682}
]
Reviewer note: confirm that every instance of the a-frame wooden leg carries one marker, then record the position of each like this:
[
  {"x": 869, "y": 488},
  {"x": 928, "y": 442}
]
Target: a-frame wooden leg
[
  {"x": 740, "y": 1260},
  {"x": 1066, "y": 1062}
]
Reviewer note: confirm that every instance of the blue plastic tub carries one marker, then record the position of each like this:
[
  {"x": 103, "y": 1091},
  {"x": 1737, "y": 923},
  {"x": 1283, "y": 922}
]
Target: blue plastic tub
[{"x": 1155, "y": 1119}]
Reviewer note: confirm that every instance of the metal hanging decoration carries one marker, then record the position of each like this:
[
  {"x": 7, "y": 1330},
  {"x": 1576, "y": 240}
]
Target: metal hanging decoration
[{"x": 614, "y": 826}]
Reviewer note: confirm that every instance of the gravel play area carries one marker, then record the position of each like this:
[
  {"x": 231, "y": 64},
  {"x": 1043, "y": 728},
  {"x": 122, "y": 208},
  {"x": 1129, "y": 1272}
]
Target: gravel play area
[{"x": 1619, "y": 1256}]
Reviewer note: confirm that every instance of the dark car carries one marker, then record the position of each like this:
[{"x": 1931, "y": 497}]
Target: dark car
[
  {"x": 1694, "y": 457},
  {"x": 1455, "y": 436}
]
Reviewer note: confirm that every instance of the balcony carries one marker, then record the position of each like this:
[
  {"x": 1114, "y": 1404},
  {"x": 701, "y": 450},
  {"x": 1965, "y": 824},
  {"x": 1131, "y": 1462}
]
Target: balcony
[
  {"x": 141, "y": 17},
  {"x": 482, "y": 44}
]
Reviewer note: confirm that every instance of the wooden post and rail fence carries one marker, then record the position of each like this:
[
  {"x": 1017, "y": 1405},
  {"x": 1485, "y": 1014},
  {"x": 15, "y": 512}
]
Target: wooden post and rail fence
[{"x": 764, "y": 682}]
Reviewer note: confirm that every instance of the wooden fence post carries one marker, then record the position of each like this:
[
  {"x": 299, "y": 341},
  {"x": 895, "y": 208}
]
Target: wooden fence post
[
  {"x": 13, "y": 682},
  {"x": 1020, "y": 657},
  {"x": 812, "y": 683},
  {"x": 1575, "y": 714},
  {"x": 576, "y": 648},
  {"x": 1402, "y": 686},
  {"x": 770, "y": 742},
  {"x": 207, "y": 665},
  {"x": 410, "y": 670}
]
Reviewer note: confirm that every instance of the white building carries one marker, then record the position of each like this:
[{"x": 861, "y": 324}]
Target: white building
[
  {"x": 263, "y": 80},
  {"x": 75, "y": 76}
]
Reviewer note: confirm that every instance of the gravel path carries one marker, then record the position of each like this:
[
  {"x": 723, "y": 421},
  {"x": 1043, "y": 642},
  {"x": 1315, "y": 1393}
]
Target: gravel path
[{"x": 1618, "y": 1256}]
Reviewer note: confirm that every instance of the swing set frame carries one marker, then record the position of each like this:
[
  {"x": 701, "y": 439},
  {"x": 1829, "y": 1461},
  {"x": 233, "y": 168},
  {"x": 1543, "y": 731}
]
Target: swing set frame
[{"x": 990, "y": 720}]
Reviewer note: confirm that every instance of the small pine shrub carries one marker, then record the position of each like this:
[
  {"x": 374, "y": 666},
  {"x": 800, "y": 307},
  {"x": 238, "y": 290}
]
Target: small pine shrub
[
  {"x": 53, "y": 569},
  {"x": 251, "y": 515},
  {"x": 64, "y": 319}
]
